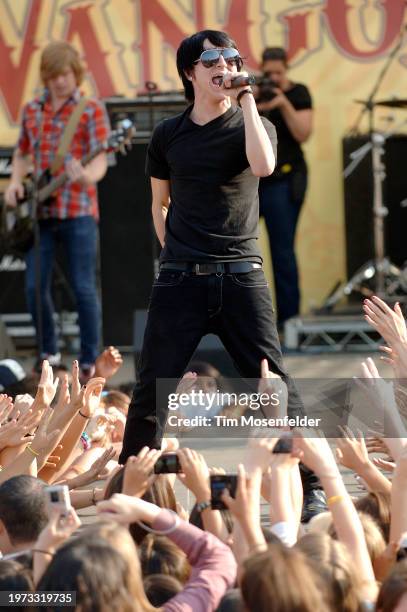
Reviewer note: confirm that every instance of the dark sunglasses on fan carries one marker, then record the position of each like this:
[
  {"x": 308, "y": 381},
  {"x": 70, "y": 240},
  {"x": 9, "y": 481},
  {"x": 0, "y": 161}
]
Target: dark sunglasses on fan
[{"x": 210, "y": 57}]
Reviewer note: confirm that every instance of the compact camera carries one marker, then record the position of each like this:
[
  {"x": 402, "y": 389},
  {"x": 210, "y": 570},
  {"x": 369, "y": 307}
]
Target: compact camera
[{"x": 58, "y": 497}]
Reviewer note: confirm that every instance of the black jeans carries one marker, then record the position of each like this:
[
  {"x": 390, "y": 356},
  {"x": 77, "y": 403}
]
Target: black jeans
[{"x": 185, "y": 307}]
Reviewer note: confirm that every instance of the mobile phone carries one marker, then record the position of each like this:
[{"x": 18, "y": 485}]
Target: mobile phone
[
  {"x": 220, "y": 482},
  {"x": 284, "y": 445},
  {"x": 168, "y": 463},
  {"x": 58, "y": 497}
]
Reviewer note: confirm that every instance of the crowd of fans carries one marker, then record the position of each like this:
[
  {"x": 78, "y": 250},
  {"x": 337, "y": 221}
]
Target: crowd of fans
[{"x": 144, "y": 552}]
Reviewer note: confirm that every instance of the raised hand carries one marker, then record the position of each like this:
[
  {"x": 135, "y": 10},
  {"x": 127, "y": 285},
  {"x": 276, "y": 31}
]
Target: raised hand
[
  {"x": 53, "y": 460},
  {"x": 57, "y": 530},
  {"x": 351, "y": 452},
  {"x": 195, "y": 473},
  {"x": 16, "y": 432},
  {"x": 381, "y": 396},
  {"x": 93, "y": 393},
  {"x": 240, "y": 506},
  {"x": 379, "y": 391},
  {"x": 64, "y": 397},
  {"x": 258, "y": 453},
  {"x": 47, "y": 386},
  {"x": 22, "y": 404},
  {"x": 246, "y": 506},
  {"x": 272, "y": 384},
  {"x": 44, "y": 440},
  {"x": 389, "y": 323},
  {"x": 108, "y": 362},
  {"x": 97, "y": 469},
  {"x": 138, "y": 475},
  {"x": 376, "y": 444},
  {"x": 397, "y": 360},
  {"x": 387, "y": 466},
  {"x": 6, "y": 407},
  {"x": 316, "y": 453},
  {"x": 76, "y": 385},
  {"x": 126, "y": 509},
  {"x": 95, "y": 472},
  {"x": 187, "y": 382}
]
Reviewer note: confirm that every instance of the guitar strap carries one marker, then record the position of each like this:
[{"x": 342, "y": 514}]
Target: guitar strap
[{"x": 68, "y": 134}]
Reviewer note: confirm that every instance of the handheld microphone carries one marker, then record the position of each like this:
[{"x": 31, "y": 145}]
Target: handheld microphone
[{"x": 241, "y": 80}]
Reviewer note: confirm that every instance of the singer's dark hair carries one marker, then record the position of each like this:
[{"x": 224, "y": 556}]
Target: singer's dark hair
[
  {"x": 274, "y": 53},
  {"x": 191, "y": 48}
]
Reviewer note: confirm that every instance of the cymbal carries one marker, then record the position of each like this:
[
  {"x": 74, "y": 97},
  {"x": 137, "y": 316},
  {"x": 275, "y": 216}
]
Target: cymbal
[{"x": 392, "y": 103}]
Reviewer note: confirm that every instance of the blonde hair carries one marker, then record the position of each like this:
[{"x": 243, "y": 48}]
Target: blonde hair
[
  {"x": 336, "y": 567},
  {"x": 116, "y": 399},
  {"x": 57, "y": 57},
  {"x": 99, "y": 428},
  {"x": 375, "y": 541},
  {"x": 281, "y": 580},
  {"x": 120, "y": 539},
  {"x": 320, "y": 523},
  {"x": 377, "y": 505}
]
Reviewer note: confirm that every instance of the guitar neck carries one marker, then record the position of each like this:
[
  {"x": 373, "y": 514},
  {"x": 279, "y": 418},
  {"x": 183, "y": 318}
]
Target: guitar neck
[{"x": 45, "y": 192}]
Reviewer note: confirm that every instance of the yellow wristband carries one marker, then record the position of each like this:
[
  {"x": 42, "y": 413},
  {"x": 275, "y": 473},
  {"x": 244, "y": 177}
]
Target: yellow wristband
[
  {"x": 334, "y": 499},
  {"x": 28, "y": 447}
]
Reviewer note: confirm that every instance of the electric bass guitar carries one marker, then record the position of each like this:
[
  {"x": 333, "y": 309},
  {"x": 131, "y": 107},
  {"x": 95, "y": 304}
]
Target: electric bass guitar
[{"x": 17, "y": 223}]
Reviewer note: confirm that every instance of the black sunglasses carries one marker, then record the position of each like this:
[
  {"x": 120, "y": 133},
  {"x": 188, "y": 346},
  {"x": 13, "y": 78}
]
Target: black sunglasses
[{"x": 210, "y": 57}]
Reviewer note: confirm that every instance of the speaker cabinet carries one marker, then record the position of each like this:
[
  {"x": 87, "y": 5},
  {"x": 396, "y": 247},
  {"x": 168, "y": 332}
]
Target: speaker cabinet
[
  {"x": 127, "y": 244},
  {"x": 358, "y": 191}
]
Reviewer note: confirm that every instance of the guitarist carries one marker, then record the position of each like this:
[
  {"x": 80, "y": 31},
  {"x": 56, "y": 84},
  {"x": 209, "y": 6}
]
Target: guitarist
[{"x": 70, "y": 216}]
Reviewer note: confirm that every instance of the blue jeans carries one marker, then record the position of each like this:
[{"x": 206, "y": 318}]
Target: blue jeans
[
  {"x": 280, "y": 205},
  {"x": 79, "y": 239}
]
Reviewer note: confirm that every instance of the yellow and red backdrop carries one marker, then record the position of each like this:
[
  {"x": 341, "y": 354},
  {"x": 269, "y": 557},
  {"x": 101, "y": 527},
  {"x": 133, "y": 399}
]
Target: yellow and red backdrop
[{"x": 336, "y": 47}]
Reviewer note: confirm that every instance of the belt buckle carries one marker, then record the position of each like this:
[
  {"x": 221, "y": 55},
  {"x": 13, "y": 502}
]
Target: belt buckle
[{"x": 200, "y": 269}]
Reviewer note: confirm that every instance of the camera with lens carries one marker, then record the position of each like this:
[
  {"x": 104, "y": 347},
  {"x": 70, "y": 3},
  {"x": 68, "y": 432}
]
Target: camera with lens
[{"x": 266, "y": 87}]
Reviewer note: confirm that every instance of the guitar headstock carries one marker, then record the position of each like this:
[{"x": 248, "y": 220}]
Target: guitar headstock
[{"x": 120, "y": 138}]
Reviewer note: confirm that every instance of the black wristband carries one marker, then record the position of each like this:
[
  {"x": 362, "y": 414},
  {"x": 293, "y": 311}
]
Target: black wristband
[
  {"x": 43, "y": 552},
  {"x": 84, "y": 415},
  {"x": 242, "y": 93},
  {"x": 203, "y": 506}
]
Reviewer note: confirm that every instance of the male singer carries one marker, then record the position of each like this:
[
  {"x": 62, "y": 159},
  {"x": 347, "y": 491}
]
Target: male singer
[{"x": 205, "y": 166}]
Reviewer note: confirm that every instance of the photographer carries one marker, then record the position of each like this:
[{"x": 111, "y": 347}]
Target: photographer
[{"x": 288, "y": 106}]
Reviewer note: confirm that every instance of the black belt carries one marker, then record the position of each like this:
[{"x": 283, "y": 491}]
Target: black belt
[{"x": 234, "y": 267}]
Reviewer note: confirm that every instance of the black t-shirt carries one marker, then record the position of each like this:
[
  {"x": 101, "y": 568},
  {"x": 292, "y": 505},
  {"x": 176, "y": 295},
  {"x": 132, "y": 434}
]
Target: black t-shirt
[
  {"x": 289, "y": 149},
  {"x": 214, "y": 209}
]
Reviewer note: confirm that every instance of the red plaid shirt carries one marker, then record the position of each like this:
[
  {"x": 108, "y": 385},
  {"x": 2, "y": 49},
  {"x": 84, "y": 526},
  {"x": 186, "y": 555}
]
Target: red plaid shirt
[{"x": 40, "y": 135}]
